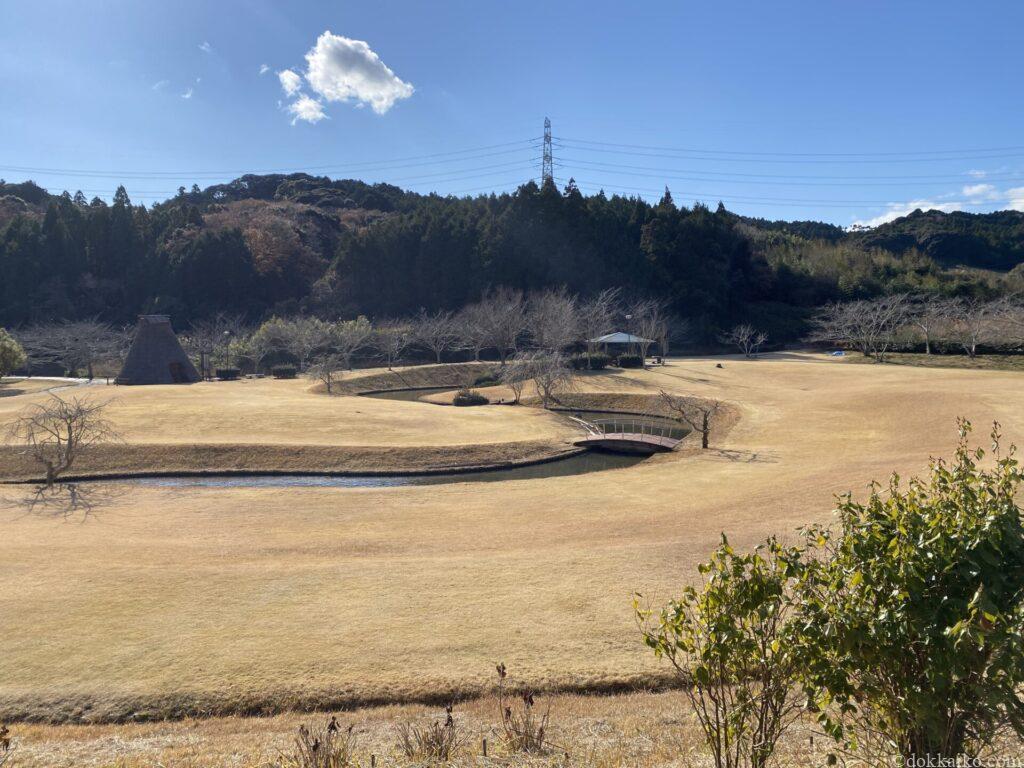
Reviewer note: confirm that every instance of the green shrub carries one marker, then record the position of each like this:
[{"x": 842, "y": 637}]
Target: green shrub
[
  {"x": 12, "y": 356},
  {"x": 466, "y": 397},
  {"x": 630, "y": 361},
  {"x": 227, "y": 374},
  {"x": 284, "y": 371},
  {"x": 913, "y": 617},
  {"x": 596, "y": 362},
  {"x": 730, "y": 641}
]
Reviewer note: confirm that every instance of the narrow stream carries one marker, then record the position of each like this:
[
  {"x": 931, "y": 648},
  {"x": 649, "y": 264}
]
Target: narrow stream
[{"x": 590, "y": 461}]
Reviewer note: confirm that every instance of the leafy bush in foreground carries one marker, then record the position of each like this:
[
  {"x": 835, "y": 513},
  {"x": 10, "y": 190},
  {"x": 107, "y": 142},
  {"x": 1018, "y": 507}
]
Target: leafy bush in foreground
[
  {"x": 904, "y": 626},
  {"x": 731, "y": 642},
  {"x": 914, "y": 614}
]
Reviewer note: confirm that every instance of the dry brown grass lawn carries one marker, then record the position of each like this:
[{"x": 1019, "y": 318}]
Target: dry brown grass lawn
[{"x": 171, "y": 601}]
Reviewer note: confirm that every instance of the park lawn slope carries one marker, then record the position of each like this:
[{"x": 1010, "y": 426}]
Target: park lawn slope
[{"x": 164, "y": 602}]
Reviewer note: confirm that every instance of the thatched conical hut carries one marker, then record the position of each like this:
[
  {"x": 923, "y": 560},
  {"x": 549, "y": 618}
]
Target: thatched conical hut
[{"x": 155, "y": 356}]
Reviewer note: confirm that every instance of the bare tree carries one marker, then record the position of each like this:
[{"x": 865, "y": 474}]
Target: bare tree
[
  {"x": 473, "y": 329},
  {"x": 516, "y": 373},
  {"x": 974, "y": 323},
  {"x": 348, "y": 337},
  {"x": 56, "y": 432},
  {"x": 326, "y": 369},
  {"x": 597, "y": 317},
  {"x": 551, "y": 374},
  {"x": 553, "y": 319},
  {"x": 75, "y": 345},
  {"x": 698, "y": 414},
  {"x": 210, "y": 340},
  {"x": 436, "y": 332},
  {"x": 870, "y": 325},
  {"x": 929, "y": 314},
  {"x": 391, "y": 338},
  {"x": 503, "y": 312},
  {"x": 646, "y": 320},
  {"x": 746, "y": 338}
]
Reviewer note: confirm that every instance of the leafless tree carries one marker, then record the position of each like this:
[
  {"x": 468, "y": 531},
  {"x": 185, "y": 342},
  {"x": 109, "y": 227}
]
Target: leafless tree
[
  {"x": 347, "y": 337},
  {"x": 553, "y": 319},
  {"x": 210, "y": 340},
  {"x": 327, "y": 369},
  {"x": 597, "y": 317},
  {"x": 56, "y": 432},
  {"x": 516, "y": 373},
  {"x": 391, "y": 338},
  {"x": 646, "y": 321},
  {"x": 503, "y": 312},
  {"x": 974, "y": 322},
  {"x": 870, "y": 325},
  {"x": 746, "y": 338},
  {"x": 698, "y": 414},
  {"x": 929, "y": 314},
  {"x": 75, "y": 345},
  {"x": 436, "y": 332},
  {"x": 473, "y": 329},
  {"x": 551, "y": 374}
]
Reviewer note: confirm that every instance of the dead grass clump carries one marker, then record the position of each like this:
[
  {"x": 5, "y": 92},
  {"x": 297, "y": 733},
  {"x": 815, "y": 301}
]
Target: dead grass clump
[
  {"x": 5, "y": 745},
  {"x": 435, "y": 742},
  {"x": 523, "y": 728},
  {"x": 327, "y": 747}
]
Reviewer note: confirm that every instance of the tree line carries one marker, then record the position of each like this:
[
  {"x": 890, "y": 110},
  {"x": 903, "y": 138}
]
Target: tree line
[
  {"x": 931, "y": 324},
  {"x": 294, "y": 245},
  {"x": 503, "y": 323}
]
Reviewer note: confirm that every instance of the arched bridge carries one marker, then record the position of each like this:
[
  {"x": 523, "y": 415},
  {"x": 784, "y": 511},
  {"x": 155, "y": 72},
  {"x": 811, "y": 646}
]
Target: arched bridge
[{"x": 630, "y": 435}]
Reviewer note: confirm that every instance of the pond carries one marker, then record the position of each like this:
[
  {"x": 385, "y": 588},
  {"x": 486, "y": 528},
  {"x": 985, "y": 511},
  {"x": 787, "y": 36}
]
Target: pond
[{"x": 577, "y": 464}]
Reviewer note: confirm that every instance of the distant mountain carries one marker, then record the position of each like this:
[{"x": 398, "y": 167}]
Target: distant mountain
[
  {"x": 297, "y": 243},
  {"x": 980, "y": 240}
]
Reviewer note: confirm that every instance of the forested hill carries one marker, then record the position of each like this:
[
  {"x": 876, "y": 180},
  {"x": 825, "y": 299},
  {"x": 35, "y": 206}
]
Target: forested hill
[{"x": 287, "y": 244}]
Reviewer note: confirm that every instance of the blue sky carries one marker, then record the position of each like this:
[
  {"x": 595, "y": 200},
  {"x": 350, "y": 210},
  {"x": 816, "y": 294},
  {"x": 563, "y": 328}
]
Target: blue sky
[{"x": 821, "y": 109}]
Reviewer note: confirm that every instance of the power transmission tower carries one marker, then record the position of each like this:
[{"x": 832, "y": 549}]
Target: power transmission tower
[{"x": 547, "y": 168}]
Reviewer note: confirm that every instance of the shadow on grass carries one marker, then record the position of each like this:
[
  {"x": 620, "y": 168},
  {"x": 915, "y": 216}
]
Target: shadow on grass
[
  {"x": 66, "y": 501},
  {"x": 743, "y": 457}
]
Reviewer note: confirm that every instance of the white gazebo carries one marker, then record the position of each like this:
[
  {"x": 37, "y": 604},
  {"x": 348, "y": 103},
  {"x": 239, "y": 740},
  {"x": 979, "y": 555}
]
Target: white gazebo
[
  {"x": 633, "y": 344},
  {"x": 620, "y": 337}
]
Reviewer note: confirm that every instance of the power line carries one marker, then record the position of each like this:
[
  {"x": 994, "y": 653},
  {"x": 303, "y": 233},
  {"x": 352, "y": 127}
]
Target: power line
[
  {"x": 800, "y": 154},
  {"x": 782, "y": 161},
  {"x": 785, "y": 179},
  {"x": 394, "y": 164}
]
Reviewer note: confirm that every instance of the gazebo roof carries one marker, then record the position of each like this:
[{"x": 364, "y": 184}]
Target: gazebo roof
[{"x": 619, "y": 337}]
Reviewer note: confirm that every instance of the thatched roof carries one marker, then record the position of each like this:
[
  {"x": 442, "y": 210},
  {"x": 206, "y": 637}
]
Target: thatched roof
[{"x": 155, "y": 356}]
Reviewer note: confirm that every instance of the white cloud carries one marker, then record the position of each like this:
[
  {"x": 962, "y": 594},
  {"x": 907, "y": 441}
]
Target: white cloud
[
  {"x": 1016, "y": 196},
  {"x": 264, "y": 68},
  {"x": 161, "y": 84},
  {"x": 306, "y": 108},
  {"x": 205, "y": 47},
  {"x": 342, "y": 69},
  {"x": 982, "y": 191},
  {"x": 187, "y": 94},
  {"x": 291, "y": 81},
  {"x": 896, "y": 210},
  {"x": 977, "y": 174}
]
